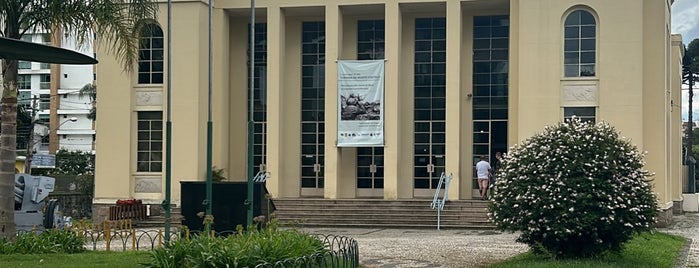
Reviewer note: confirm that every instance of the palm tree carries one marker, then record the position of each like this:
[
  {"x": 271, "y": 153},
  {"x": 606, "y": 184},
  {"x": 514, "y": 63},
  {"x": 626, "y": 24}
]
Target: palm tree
[{"x": 116, "y": 23}]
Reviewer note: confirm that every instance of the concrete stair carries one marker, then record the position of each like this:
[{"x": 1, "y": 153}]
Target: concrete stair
[
  {"x": 378, "y": 213},
  {"x": 158, "y": 220}
]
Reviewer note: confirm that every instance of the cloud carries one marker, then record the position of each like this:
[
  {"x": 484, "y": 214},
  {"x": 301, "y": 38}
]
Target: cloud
[{"x": 685, "y": 18}]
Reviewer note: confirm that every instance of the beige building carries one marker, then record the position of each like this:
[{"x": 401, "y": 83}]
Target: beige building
[{"x": 462, "y": 78}]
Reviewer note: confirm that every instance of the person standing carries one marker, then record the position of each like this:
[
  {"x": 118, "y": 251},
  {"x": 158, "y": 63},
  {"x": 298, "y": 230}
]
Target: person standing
[
  {"x": 496, "y": 167},
  {"x": 483, "y": 170}
]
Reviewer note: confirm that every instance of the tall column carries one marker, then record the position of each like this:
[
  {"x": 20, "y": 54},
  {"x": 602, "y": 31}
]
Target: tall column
[
  {"x": 221, "y": 92},
  {"x": 336, "y": 186},
  {"x": 513, "y": 73},
  {"x": 455, "y": 99},
  {"x": 275, "y": 52},
  {"x": 392, "y": 152},
  {"x": 654, "y": 137},
  {"x": 675, "y": 151}
]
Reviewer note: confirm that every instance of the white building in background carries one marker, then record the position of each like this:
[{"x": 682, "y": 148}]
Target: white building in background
[{"x": 53, "y": 91}]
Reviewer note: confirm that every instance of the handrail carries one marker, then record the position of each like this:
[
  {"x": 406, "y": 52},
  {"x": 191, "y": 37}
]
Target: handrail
[
  {"x": 261, "y": 176},
  {"x": 436, "y": 202}
]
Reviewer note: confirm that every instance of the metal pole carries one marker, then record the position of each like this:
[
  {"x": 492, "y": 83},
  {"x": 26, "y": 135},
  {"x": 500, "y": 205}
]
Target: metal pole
[
  {"x": 251, "y": 119},
  {"x": 30, "y": 141},
  {"x": 209, "y": 132},
  {"x": 168, "y": 127},
  {"x": 690, "y": 129},
  {"x": 690, "y": 123}
]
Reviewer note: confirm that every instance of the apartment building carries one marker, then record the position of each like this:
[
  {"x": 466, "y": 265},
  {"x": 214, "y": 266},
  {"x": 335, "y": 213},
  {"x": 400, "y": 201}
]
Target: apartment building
[{"x": 51, "y": 93}]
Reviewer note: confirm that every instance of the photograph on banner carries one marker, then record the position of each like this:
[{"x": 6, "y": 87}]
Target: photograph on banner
[{"x": 360, "y": 86}]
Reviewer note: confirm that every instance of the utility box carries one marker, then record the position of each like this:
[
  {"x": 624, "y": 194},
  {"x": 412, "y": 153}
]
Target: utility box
[{"x": 228, "y": 204}]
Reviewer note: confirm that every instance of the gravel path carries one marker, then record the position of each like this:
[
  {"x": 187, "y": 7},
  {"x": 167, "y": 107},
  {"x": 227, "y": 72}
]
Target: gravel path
[{"x": 388, "y": 248}]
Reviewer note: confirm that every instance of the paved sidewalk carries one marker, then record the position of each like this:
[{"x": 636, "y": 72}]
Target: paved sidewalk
[
  {"x": 687, "y": 225},
  {"x": 389, "y": 248}
]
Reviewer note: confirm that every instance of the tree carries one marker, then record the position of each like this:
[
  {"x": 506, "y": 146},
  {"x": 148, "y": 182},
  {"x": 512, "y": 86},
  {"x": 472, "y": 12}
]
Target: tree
[
  {"x": 117, "y": 25},
  {"x": 690, "y": 75},
  {"x": 69, "y": 163},
  {"x": 575, "y": 189},
  {"x": 90, "y": 91}
]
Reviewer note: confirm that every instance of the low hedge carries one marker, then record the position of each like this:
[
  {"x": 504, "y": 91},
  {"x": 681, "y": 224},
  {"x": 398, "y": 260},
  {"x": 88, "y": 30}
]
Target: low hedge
[{"x": 242, "y": 249}]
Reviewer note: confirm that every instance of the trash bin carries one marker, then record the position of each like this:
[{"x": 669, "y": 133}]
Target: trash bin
[{"x": 228, "y": 204}]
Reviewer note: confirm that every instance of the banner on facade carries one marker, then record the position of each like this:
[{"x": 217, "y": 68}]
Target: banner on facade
[{"x": 360, "y": 85}]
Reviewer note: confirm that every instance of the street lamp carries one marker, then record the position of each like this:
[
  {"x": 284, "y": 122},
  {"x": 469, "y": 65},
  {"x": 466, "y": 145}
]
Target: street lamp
[{"x": 32, "y": 142}]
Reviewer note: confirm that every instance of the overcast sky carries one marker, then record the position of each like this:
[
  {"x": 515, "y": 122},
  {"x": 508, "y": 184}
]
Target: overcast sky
[{"x": 685, "y": 21}]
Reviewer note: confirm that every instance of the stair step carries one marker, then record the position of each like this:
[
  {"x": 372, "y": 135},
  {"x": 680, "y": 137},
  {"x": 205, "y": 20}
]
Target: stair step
[{"x": 378, "y": 213}]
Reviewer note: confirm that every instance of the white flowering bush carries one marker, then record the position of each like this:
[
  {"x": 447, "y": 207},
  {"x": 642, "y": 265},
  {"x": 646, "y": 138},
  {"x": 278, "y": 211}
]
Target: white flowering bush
[{"x": 576, "y": 189}]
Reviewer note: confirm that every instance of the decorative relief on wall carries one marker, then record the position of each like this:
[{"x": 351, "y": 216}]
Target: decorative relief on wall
[
  {"x": 149, "y": 98},
  {"x": 580, "y": 93},
  {"x": 148, "y": 185}
]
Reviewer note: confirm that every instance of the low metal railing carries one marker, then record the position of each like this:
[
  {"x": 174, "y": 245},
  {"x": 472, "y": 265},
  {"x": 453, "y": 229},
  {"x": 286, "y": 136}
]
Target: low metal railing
[
  {"x": 342, "y": 251},
  {"x": 437, "y": 203}
]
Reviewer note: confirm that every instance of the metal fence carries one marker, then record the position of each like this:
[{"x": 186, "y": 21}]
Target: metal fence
[
  {"x": 342, "y": 251},
  {"x": 74, "y": 205}
]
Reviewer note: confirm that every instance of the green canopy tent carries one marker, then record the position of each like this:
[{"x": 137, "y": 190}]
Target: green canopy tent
[{"x": 13, "y": 49}]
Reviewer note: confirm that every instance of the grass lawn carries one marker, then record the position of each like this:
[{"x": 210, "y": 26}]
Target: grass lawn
[
  {"x": 88, "y": 259},
  {"x": 656, "y": 250}
]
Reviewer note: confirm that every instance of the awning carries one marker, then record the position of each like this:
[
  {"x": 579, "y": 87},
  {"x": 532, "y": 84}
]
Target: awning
[{"x": 13, "y": 49}]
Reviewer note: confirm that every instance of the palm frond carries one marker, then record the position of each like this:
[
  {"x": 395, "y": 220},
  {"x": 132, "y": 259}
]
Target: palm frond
[{"x": 115, "y": 23}]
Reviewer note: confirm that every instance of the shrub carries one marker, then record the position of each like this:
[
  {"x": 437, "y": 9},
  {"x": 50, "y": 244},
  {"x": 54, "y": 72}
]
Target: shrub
[
  {"x": 576, "y": 189},
  {"x": 242, "y": 249},
  {"x": 48, "y": 241}
]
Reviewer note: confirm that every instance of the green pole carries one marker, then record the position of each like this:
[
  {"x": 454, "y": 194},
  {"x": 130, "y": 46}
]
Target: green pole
[
  {"x": 208, "y": 218},
  {"x": 250, "y": 201},
  {"x": 168, "y": 179},
  {"x": 168, "y": 129}
]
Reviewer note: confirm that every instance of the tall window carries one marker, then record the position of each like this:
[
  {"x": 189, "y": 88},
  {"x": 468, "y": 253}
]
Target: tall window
[
  {"x": 370, "y": 39},
  {"x": 45, "y": 81},
  {"x": 579, "y": 50},
  {"x": 370, "y": 160},
  {"x": 150, "y": 57},
  {"x": 260, "y": 95},
  {"x": 44, "y": 102},
  {"x": 150, "y": 142},
  {"x": 429, "y": 115},
  {"x": 490, "y": 87},
  {"x": 24, "y": 82},
  {"x": 312, "y": 104}
]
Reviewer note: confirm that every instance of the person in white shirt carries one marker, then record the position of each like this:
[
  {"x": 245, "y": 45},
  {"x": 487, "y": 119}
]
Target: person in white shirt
[{"x": 483, "y": 170}]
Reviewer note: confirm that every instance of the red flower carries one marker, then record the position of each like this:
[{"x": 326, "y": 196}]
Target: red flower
[{"x": 128, "y": 202}]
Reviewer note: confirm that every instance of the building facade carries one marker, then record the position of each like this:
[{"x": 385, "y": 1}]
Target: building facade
[
  {"x": 462, "y": 79},
  {"x": 50, "y": 93}
]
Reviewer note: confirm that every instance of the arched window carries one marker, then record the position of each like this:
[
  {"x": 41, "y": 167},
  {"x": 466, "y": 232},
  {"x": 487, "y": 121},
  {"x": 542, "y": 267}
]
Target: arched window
[
  {"x": 580, "y": 41},
  {"x": 150, "y": 55}
]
